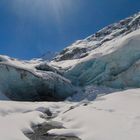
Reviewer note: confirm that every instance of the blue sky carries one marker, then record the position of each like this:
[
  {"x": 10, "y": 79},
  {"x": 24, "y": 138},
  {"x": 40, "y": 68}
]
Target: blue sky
[{"x": 29, "y": 28}]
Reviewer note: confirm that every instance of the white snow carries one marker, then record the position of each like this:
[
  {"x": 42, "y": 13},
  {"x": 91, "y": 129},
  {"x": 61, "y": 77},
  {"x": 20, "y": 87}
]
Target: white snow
[
  {"x": 114, "y": 116},
  {"x": 101, "y": 43},
  {"x": 29, "y": 65},
  {"x": 104, "y": 64},
  {"x": 105, "y": 49},
  {"x": 17, "y": 117},
  {"x": 111, "y": 117}
]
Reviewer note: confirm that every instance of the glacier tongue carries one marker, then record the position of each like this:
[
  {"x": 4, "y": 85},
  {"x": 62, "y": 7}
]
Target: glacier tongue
[{"x": 19, "y": 83}]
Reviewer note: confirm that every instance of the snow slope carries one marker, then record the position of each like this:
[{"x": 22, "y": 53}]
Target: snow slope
[
  {"x": 111, "y": 117},
  {"x": 109, "y": 57},
  {"x": 118, "y": 66},
  {"x": 18, "y": 117},
  {"x": 114, "y": 116},
  {"x": 82, "y": 48}
]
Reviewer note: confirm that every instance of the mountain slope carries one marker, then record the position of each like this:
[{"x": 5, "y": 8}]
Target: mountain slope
[
  {"x": 109, "y": 68},
  {"x": 82, "y": 48},
  {"x": 113, "y": 61}
]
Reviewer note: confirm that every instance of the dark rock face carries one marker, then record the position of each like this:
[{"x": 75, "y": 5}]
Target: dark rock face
[
  {"x": 25, "y": 85},
  {"x": 76, "y": 53},
  {"x": 40, "y": 132}
]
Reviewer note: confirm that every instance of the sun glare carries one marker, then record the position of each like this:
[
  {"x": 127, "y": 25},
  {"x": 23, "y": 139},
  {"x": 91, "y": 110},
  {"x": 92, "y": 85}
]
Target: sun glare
[{"x": 54, "y": 8}]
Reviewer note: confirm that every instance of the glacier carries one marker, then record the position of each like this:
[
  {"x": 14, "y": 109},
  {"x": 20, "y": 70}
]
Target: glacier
[
  {"x": 110, "y": 69},
  {"x": 19, "y": 82},
  {"x": 111, "y": 58}
]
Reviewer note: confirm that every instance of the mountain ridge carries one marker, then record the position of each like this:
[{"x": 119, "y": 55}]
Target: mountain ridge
[
  {"x": 108, "y": 57},
  {"x": 82, "y": 48}
]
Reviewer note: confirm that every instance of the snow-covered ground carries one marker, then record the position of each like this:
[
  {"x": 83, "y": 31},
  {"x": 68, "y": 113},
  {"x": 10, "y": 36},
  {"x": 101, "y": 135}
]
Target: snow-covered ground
[
  {"x": 111, "y": 117},
  {"x": 18, "y": 117},
  {"x": 114, "y": 116}
]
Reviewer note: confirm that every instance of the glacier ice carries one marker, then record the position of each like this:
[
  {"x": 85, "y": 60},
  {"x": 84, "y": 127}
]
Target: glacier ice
[
  {"x": 111, "y": 69},
  {"x": 28, "y": 85},
  {"x": 111, "y": 56}
]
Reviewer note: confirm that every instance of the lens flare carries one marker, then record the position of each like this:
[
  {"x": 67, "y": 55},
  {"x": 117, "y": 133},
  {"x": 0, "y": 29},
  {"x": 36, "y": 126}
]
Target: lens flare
[{"x": 42, "y": 8}]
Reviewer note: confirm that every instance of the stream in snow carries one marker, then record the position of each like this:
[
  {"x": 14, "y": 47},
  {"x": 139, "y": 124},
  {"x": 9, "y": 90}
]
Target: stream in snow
[{"x": 113, "y": 116}]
